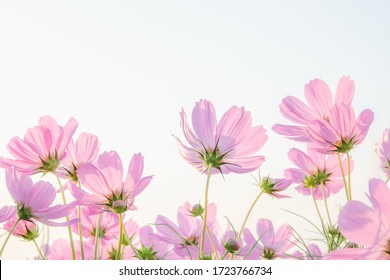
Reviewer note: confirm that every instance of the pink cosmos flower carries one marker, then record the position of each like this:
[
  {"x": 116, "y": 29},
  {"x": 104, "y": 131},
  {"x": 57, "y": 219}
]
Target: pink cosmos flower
[
  {"x": 186, "y": 236},
  {"x": 6, "y": 213},
  {"x": 28, "y": 230},
  {"x": 33, "y": 200},
  {"x": 269, "y": 244},
  {"x": 152, "y": 248},
  {"x": 42, "y": 148},
  {"x": 314, "y": 169},
  {"x": 226, "y": 146},
  {"x": 366, "y": 226},
  {"x": 320, "y": 101},
  {"x": 105, "y": 186},
  {"x": 61, "y": 250},
  {"x": 108, "y": 227},
  {"x": 86, "y": 149},
  {"x": 383, "y": 150},
  {"x": 341, "y": 131},
  {"x": 312, "y": 252}
]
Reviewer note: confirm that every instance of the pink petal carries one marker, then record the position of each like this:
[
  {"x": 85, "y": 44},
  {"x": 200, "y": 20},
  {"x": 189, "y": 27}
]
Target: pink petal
[
  {"x": 134, "y": 173},
  {"x": 351, "y": 254},
  {"x": 265, "y": 231},
  {"x": 110, "y": 165},
  {"x": 345, "y": 91},
  {"x": 93, "y": 179},
  {"x": 297, "y": 133},
  {"x": 242, "y": 165},
  {"x": 41, "y": 196},
  {"x": 86, "y": 148},
  {"x": 380, "y": 198},
  {"x": 6, "y": 213},
  {"x": 359, "y": 223},
  {"x": 302, "y": 160},
  {"x": 188, "y": 133},
  {"x": 66, "y": 135},
  {"x": 363, "y": 123},
  {"x": 296, "y": 111},
  {"x": 204, "y": 122},
  {"x": 319, "y": 97}
]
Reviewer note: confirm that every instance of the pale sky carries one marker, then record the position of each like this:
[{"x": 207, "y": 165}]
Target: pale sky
[{"x": 124, "y": 70}]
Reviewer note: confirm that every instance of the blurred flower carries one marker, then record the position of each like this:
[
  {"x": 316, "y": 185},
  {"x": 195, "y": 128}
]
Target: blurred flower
[
  {"x": 185, "y": 237},
  {"x": 268, "y": 244},
  {"x": 61, "y": 250},
  {"x": 383, "y": 150},
  {"x": 105, "y": 186},
  {"x": 320, "y": 102},
  {"x": 42, "y": 148},
  {"x": 6, "y": 213},
  {"x": 366, "y": 226},
  {"x": 227, "y": 146},
  {"x": 315, "y": 169}
]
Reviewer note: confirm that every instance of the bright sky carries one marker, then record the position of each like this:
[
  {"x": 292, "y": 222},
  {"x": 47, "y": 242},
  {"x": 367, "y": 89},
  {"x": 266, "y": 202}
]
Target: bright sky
[{"x": 124, "y": 70}]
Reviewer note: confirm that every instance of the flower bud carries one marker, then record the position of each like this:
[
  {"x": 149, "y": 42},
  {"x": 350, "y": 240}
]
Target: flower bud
[
  {"x": 231, "y": 245},
  {"x": 197, "y": 210},
  {"x": 119, "y": 206}
]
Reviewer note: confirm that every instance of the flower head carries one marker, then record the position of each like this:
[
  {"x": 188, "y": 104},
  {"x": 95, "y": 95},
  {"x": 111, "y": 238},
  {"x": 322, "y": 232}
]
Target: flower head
[
  {"x": 342, "y": 131},
  {"x": 226, "y": 146},
  {"x": 315, "y": 170},
  {"x": 273, "y": 186},
  {"x": 33, "y": 201},
  {"x": 104, "y": 182},
  {"x": 366, "y": 226},
  {"x": 269, "y": 244},
  {"x": 320, "y": 101},
  {"x": 26, "y": 229},
  {"x": 42, "y": 148}
]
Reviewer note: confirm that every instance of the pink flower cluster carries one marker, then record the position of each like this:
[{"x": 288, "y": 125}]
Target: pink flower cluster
[{"x": 93, "y": 198}]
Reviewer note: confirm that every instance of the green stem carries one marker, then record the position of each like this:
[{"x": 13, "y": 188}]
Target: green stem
[
  {"x": 349, "y": 176},
  {"x": 212, "y": 241},
  {"x": 118, "y": 252},
  {"x": 206, "y": 195},
  {"x": 343, "y": 174},
  {"x": 80, "y": 228},
  {"x": 8, "y": 236},
  {"x": 318, "y": 210},
  {"x": 39, "y": 250},
  {"x": 247, "y": 215},
  {"x": 326, "y": 204},
  {"x": 67, "y": 217},
  {"x": 224, "y": 255},
  {"x": 97, "y": 233}
]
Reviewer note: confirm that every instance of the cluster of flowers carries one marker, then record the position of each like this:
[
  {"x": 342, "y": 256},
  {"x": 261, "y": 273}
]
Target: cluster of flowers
[{"x": 98, "y": 220}]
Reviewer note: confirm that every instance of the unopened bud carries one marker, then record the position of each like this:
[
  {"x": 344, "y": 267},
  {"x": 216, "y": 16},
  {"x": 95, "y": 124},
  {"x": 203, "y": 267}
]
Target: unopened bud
[{"x": 231, "y": 245}]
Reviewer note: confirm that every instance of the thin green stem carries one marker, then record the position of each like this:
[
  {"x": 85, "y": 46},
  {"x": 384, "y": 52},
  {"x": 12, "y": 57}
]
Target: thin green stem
[
  {"x": 224, "y": 255},
  {"x": 247, "y": 215},
  {"x": 326, "y": 204},
  {"x": 349, "y": 176},
  {"x": 118, "y": 252},
  {"x": 80, "y": 228},
  {"x": 39, "y": 250},
  {"x": 212, "y": 241},
  {"x": 97, "y": 235},
  {"x": 343, "y": 174},
  {"x": 8, "y": 236},
  {"x": 318, "y": 210},
  {"x": 206, "y": 195},
  {"x": 67, "y": 217}
]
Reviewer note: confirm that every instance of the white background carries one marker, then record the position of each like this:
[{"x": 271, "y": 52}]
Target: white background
[{"x": 124, "y": 70}]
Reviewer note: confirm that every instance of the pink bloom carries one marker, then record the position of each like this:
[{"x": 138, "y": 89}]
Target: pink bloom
[
  {"x": 383, "y": 150},
  {"x": 319, "y": 100},
  {"x": 6, "y": 213},
  {"x": 341, "y": 131},
  {"x": 42, "y": 148},
  {"x": 366, "y": 226},
  {"x": 28, "y": 230},
  {"x": 105, "y": 186},
  {"x": 61, "y": 250},
  {"x": 86, "y": 149},
  {"x": 227, "y": 146},
  {"x": 152, "y": 248},
  {"x": 314, "y": 169},
  {"x": 312, "y": 252},
  {"x": 108, "y": 228},
  {"x": 269, "y": 244},
  {"x": 185, "y": 237},
  {"x": 33, "y": 200}
]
